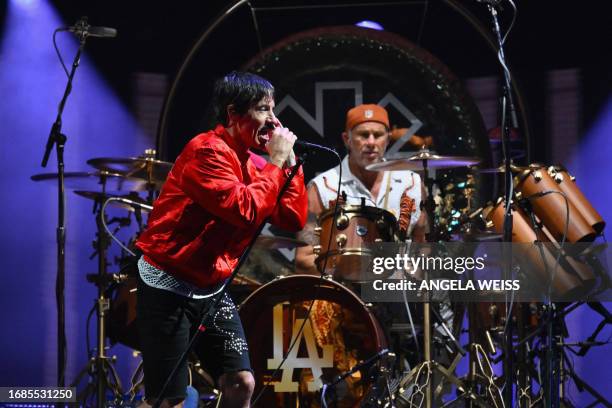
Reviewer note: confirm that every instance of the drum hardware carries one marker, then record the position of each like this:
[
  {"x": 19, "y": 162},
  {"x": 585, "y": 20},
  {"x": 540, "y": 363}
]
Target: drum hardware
[
  {"x": 100, "y": 367},
  {"x": 278, "y": 242},
  {"x": 421, "y": 160},
  {"x": 137, "y": 201},
  {"x": 501, "y": 169},
  {"x": 356, "y": 226},
  {"x": 95, "y": 180},
  {"x": 145, "y": 167},
  {"x": 377, "y": 393},
  {"x": 428, "y": 366}
]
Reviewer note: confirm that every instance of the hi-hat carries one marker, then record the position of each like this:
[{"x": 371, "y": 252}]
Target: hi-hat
[
  {"x": 95, "y": 181},
  {"x": 151, "y": 170},
  {"x": 136, "y": 200},
  {"x": 274, "y": 242},
  {"x": 423, "y": 157}
]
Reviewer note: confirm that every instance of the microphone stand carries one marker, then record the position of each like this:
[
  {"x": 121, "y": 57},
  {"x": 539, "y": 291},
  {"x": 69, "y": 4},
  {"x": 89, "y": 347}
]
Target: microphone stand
[
  {"x": 57, "y": 138},
  {"x": 202, "y": 326},
  {"x": 507, "y": 107}
]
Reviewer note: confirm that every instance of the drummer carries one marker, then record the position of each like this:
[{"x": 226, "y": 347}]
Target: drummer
[{"x": 366, "y": 137}]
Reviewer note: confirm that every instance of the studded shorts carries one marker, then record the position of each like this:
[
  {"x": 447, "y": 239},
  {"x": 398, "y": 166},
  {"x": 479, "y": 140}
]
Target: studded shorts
[{"x": 166, "y": 322}]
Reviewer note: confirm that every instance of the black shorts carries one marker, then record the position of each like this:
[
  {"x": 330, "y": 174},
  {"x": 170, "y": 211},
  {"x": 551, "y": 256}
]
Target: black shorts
[{"x": 166, "y": 322}]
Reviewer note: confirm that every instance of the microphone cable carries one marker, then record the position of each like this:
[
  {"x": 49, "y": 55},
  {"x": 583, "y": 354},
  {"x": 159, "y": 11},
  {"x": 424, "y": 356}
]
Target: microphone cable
[{"x": 319, "y": 283}]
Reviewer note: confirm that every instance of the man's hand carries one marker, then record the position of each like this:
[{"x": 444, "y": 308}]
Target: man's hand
[{"x": 280, "y": 146}]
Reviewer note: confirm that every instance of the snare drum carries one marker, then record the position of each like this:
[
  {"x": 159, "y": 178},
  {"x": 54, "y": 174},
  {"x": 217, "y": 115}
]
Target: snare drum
[
  {"x": 551, "y": 208},
  {"x": 349, "y": 253},
  {"x": 339, "y": 333}
]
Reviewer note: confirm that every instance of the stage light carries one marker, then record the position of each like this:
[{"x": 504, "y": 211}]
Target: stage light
[{"x": 370, "y": 24}]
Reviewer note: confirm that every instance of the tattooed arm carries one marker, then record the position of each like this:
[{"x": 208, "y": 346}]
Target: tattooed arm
[{"x": 304, "y": 256}]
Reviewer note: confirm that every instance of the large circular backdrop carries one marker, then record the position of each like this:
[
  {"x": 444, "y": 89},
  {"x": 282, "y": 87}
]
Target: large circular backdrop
[{"x": 319, "y": 74}]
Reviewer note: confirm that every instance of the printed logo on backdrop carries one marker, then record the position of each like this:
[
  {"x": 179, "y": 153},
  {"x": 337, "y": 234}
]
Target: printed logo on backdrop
[{"x": 317, "y": 122}]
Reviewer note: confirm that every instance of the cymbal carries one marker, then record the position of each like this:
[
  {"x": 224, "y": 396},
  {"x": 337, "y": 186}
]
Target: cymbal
[
  {"x": 95, "y": 180},
  {"x": 416, "y": 162},
  {"x": 101, "y": 197},
  {"x": 151, "y": 170},
  {"x": 276, "y": 242}
]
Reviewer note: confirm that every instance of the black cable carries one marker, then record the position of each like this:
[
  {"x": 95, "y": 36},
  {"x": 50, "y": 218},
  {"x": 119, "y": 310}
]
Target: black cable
[
  {"x": 563, "y": 237},
  {"x": 422, "y": 26},
  {"x": 57, "y": 51},
  {"x": 88, "y": 322},
  {"x": 317, "y": 289}
]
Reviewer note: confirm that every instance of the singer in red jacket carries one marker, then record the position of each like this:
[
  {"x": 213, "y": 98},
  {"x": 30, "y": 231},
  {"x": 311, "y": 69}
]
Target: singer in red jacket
[{"x": 215, "y": 197}]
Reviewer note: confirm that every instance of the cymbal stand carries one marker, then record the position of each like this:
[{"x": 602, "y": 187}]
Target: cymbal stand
[
  {"x": 102, "y": 374},
  {"x": 423, "y": 393}
]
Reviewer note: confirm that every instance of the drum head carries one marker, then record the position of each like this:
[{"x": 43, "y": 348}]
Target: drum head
[{"x": 339, "y": 333}]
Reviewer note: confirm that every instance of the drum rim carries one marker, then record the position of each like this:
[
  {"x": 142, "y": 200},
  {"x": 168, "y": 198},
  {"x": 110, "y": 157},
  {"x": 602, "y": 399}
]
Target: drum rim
[
  {"x": 327, "y": 279},
  {"x": 366, "y": 209}
]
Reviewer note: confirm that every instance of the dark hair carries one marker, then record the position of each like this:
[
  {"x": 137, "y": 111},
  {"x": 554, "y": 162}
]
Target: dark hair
[{"x": 241, "y": 89}]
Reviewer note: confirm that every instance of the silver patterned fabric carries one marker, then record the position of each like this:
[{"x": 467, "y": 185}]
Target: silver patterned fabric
[
  {"x": 159, "y": 279},
  {"x": 224, "y": 313}
]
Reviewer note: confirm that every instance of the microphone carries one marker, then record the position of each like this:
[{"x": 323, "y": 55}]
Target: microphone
[
  {"x": 83, "y": 29},
  {"x": 302, "y": 147}
]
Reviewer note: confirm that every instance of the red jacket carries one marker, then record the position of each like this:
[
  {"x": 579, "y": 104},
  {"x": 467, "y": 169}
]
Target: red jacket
[{"x": 215, "y": 197}]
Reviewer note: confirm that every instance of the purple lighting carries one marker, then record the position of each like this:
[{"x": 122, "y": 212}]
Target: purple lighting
[
  {"x": 370, "y": 24},
  {"x": 97, "y": 125},
  {"x": 26, "y": 4}
]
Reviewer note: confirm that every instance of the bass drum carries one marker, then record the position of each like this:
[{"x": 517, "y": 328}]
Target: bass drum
[{"x": 339, "y": 333}]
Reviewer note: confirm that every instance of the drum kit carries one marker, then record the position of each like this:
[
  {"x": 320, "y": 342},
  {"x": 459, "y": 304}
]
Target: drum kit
[{"x": 334, "y": 329}]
